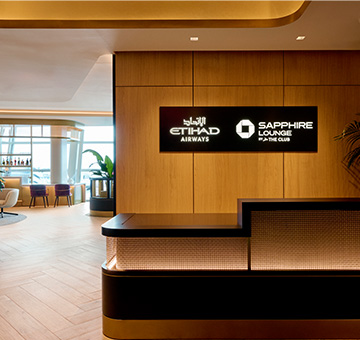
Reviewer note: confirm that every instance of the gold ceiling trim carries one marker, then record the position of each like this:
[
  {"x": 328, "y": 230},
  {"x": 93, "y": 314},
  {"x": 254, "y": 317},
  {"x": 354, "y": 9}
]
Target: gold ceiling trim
[
  {"x": 149, "y": 14},
  {"x": 34, "y": 121},
  {"x": 56, "y": 112}
]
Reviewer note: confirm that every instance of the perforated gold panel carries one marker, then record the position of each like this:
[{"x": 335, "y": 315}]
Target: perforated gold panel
[
  {"x": 111, "y": 243},
  {"x": 181, "y": 254},
  {"x": 305, "y": 240}
]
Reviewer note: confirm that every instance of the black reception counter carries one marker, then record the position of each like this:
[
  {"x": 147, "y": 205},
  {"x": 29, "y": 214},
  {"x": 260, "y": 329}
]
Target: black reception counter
[
  {"x": 280, "y": 269},
  {"x": 174, "y": 225}
]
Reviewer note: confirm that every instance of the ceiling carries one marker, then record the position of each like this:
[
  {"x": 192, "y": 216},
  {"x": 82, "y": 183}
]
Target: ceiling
[{"x": 67, "y": 72}]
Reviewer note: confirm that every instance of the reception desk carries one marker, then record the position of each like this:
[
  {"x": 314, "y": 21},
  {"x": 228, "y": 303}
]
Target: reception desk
[{"x": 278, "y": 269}]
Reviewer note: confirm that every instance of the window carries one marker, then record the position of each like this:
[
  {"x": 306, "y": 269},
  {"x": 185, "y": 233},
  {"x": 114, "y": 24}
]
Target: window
[
  {"x": 30, "y": 151},
  {"x": 100, "y": 139}
]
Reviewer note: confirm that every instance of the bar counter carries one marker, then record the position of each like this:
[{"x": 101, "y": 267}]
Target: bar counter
[{"x": 280, "y": 269}]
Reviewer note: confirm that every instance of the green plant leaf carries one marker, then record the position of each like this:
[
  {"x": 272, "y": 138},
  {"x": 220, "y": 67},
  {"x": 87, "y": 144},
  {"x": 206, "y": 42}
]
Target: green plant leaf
[
  {"x": 2, "y": 183},
  {"x": 109, "y": 166},
  {"x": 106, "y": 167},
  {"x": 95, "y": 153},
  {"x": 97, "y": 173}
]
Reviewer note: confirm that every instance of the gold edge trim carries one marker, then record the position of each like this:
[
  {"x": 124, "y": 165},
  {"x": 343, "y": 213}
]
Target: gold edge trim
[
  {"x": 230, "y": 329},
  {"x": 34, "y": 121},
  {"x": 156, "y": 23},
  {"x": 101, "y": 213},
  {"x": 56, "y": 112}
]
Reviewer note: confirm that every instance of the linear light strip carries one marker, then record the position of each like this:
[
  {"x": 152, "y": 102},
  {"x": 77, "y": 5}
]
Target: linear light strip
[{"x": 60, "y": 112}]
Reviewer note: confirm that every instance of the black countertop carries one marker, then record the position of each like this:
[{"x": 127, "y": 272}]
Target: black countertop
[
  {"x": 212, "y": 224},
  {"x": 174, "y": 225}
]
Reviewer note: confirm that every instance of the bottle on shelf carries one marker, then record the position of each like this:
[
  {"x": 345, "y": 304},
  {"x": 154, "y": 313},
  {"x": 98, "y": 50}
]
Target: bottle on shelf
[{"x": 13, "y": 161}]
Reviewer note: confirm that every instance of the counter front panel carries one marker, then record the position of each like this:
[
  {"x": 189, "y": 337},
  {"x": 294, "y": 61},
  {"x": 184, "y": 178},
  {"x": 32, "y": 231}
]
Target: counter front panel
[
  {"x": 176, "y": 242},
  {"x": 305, "y": 240},
  {"x": 280, "y": 269},
  {"x": 197, "y": 253}
]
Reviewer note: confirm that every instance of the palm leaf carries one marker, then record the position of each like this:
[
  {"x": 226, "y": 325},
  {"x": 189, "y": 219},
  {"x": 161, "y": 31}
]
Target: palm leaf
[
  {"x": 354, "y": 173},
  {"x": 352, "y": 156},
  {"x": 351, "y": 136}
]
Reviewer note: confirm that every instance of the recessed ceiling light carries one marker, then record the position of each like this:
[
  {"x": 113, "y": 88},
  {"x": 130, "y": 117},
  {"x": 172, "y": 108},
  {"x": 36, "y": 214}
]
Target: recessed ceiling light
[
  {"x": 300, "y": 37},
  {"x": 194, "y": 38}
]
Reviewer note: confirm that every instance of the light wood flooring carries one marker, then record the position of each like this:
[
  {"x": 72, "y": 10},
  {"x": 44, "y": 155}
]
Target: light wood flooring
[{"x": 50, "y": 275}]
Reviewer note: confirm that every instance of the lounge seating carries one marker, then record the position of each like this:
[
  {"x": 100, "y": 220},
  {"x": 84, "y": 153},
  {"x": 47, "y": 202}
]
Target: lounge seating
[
  {"x": 62, "y": 190},
  {"x": 8, "y": 198},
  {"x": 38, "y": 190}
]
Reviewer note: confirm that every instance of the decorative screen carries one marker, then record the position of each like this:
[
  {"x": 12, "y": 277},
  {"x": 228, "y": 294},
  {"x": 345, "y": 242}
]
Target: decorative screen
[
  {"x": 178, "y": 253},
  {"x": 305, "y": 240}
]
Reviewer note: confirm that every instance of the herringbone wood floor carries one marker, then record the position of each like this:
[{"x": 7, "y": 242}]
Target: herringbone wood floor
[{"x": 50, "y": 275}]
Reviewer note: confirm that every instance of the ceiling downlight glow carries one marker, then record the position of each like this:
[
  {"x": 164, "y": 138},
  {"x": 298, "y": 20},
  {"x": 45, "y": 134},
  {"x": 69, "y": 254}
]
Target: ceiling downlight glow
[{"x": 194, "y": 38}]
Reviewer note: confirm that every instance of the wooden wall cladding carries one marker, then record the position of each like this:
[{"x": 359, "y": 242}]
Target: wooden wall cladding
[
  {"x": 153, "y": 68},
  {"x": 221, "y": 178},
  {"x": 238, "y": 68},
  {"x": 148, "y": 181},
  {"x": 322, "y": 68},
  {"x": 321, "y": 174}
]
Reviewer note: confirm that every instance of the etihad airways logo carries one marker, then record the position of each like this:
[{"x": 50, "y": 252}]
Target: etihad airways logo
[{"x": 194, "y": 130}]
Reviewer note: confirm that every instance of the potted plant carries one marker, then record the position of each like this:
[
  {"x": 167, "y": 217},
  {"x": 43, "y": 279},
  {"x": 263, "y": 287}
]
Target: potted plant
[
  {"x": 106, "y": 165},
  {"x": 101, "y": 187},
  {"x": 2, "y": 182}
]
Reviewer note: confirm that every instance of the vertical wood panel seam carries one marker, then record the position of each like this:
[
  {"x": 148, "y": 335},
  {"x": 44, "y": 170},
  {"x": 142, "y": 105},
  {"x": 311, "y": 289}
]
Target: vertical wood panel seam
[
  {"x": 114, "y": 124},
  {"x": 193, "y": 77},
  {"x": 283, "y": 67},
  {"x": 193, "y": 104}
]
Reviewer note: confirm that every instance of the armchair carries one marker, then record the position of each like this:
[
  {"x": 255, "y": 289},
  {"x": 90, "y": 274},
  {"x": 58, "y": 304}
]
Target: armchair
[{"x": 8, "y": 198}]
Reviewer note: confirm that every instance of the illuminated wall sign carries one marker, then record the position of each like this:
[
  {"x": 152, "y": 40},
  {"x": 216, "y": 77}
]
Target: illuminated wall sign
[{"x": 258, "y": 128}]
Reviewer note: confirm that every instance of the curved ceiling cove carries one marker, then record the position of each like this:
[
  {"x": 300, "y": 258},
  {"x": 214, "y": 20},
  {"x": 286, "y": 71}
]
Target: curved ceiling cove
[{"x": 149, "y": 14}]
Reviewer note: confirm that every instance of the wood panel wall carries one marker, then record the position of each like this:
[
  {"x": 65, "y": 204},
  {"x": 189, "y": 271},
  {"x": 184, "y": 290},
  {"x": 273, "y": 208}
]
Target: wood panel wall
[{"x": 147, "y": 181}]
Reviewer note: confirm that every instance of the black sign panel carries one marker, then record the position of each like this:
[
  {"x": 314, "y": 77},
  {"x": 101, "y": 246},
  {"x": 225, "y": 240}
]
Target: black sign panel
[{"x": 258, "y": 128}]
